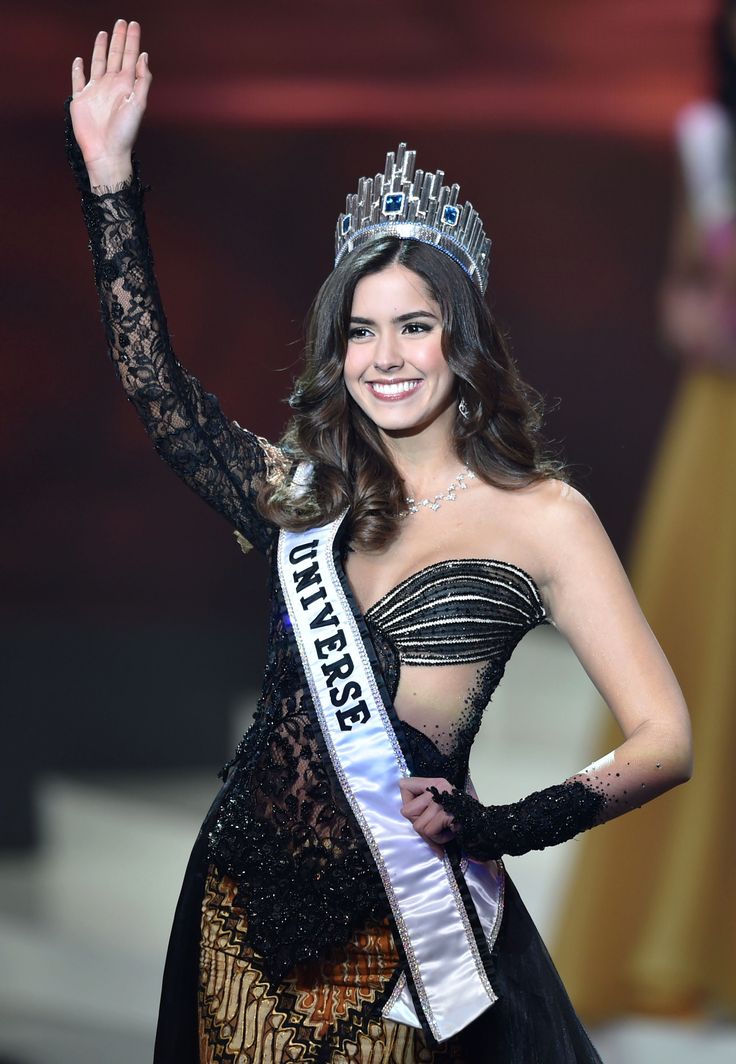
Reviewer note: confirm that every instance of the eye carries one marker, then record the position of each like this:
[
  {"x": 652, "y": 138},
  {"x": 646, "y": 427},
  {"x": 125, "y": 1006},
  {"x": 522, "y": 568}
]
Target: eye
[
  {"x": 412, "y": 328},
  {"x": 359, "y": 332}
]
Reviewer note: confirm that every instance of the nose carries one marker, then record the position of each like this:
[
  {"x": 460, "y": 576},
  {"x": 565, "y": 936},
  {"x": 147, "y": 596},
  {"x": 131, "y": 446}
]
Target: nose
[{"x": 386, "y": 353}]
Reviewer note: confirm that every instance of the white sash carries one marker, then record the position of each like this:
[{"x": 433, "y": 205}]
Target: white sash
[{"x": 443, "y": 957}]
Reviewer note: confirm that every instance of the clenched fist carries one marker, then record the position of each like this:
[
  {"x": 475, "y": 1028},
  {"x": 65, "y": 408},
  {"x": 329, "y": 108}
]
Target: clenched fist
[{"x": 427, "y": 817}]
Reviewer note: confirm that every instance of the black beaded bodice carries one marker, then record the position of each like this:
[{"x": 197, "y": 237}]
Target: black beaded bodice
[
  {"x": 465, "y": 615},
  {"x": 281, "y": 825},
  {"x": 458, "y": 611}
]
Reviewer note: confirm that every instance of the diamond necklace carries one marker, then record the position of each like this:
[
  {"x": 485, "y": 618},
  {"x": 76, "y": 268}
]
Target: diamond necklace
[{"x": 458, "y": 484}]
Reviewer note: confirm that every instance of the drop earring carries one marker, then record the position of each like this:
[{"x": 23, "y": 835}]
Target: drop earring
[{"x": 463, "y": 410}]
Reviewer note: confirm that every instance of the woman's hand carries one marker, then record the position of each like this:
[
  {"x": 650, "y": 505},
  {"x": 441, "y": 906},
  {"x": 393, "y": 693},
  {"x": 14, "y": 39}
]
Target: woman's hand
[
  {"x": 427, "y": 817},
  {"x": 107, "y": 110}
]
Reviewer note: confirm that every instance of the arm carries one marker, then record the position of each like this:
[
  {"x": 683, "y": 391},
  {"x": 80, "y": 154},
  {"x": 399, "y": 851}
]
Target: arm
[
  {"x": 223, "y": 463},
  {"x": 592, "y": 604}
]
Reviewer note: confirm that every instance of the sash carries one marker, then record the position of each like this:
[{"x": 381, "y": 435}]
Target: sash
[{"x": 447, "y": 918}]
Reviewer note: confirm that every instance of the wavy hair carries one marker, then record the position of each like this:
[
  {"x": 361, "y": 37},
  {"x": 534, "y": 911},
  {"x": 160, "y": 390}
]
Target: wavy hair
[{"x": 499, "y": 441}]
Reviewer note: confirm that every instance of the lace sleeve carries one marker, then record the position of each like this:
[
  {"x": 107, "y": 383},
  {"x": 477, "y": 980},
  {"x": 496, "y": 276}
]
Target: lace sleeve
[{"x": 224, "y": 463}]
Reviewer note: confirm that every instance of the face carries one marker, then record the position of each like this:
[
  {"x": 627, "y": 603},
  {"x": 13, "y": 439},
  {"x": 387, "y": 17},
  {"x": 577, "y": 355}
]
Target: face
[{"x": 395, "y": 369}]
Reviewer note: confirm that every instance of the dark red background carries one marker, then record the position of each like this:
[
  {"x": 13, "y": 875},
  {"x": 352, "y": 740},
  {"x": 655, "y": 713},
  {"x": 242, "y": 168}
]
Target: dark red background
[{"x": 130, "y": 619}]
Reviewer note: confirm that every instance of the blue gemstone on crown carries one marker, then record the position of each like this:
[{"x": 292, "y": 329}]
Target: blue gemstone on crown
[
  {"x": 393, "y": 203},
  {"x": 418, "y": 206}
]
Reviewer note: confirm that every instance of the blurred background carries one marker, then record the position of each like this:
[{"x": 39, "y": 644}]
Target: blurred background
[{"x": 132, "y": 625}]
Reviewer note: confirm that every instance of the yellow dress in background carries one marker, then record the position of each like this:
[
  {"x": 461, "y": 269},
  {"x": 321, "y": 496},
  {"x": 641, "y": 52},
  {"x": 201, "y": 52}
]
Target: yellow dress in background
[{"x": 649, "y": 923}]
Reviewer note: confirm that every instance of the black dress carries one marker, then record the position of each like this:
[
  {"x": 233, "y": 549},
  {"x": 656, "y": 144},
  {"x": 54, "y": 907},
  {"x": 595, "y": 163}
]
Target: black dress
[{"x": 282, "y": 946}]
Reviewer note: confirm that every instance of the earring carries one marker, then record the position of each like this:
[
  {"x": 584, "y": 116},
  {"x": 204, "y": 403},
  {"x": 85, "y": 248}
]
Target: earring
[{"x": 463, "y": 410}]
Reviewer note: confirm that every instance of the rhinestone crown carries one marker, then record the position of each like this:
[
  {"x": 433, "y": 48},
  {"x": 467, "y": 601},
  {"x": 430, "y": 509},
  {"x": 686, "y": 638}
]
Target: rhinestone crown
[{"x": 417, "y": 206}]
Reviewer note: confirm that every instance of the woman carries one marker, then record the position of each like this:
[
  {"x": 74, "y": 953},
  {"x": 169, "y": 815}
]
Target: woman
[
  {"x": 683, "y": 566},
  {"x": 345, "y": 899}
]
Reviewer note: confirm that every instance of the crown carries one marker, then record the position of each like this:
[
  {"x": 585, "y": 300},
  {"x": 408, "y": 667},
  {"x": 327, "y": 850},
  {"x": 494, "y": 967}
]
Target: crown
[{"x": 414, "y": 206}]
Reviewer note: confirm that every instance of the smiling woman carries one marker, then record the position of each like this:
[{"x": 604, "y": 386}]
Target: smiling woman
[
  {"x": 395, "y": 368},
  {"x": 346, "y": 899},
  {"x": 396, "y": 318}
]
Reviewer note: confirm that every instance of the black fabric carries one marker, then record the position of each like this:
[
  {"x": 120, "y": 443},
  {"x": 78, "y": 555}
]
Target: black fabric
[
  {"x": 544, "y": 818},
  {"x": 176, "y": 1033},
  {"x": 458, "y": 611},
  {"x": 533, "y": 1021}
]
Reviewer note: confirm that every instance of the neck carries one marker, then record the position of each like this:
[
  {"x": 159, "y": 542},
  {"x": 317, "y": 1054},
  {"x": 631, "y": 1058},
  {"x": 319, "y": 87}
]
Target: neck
[{"x": 427, "y": 458}]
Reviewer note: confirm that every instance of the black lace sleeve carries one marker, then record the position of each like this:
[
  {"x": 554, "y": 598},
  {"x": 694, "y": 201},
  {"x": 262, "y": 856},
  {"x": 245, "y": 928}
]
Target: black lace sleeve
[
  {"x": 222, "y": 462},
  {"x": 545, "y": 818}
]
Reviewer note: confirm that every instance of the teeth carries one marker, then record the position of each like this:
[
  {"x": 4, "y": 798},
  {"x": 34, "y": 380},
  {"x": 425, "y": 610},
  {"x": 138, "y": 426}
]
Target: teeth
[{"x": 394, "y": 389}]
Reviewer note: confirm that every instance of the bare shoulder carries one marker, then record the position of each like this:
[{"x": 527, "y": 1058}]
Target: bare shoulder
[
  {"x": 554, "y": 507},
  {"x": 562, "y": 524},
  {"x": 548, "y": 528}
]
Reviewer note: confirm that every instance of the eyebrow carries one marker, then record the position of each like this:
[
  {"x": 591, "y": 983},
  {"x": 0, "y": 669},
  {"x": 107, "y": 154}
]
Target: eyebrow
[{"x": 401, "y": 318}]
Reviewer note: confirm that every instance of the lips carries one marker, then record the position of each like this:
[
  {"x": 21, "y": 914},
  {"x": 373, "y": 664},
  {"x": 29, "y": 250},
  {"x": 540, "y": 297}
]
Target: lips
[{"x": 393, "y": 391}]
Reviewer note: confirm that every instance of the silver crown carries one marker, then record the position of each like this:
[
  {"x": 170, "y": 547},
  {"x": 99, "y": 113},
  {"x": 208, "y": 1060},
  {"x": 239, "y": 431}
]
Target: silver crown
[{"x": 418, "y": 206}]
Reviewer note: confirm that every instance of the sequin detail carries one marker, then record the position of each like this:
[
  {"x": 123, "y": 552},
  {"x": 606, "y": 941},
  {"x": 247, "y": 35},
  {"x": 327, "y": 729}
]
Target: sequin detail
[
  {"x": 544, "y": 818},
  {"x": 458, "y": 611}
]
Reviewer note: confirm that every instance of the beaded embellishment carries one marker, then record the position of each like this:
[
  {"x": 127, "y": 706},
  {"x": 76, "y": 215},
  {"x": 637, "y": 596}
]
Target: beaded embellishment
[{"x": 458, "y": 484}]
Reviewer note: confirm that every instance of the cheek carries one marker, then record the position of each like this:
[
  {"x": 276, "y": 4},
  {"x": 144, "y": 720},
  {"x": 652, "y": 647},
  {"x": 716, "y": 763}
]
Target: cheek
[
  {"x": 358, "y": 359},
  {"x": 437, "y": 364},
  {"x": 352, "y": 369}
]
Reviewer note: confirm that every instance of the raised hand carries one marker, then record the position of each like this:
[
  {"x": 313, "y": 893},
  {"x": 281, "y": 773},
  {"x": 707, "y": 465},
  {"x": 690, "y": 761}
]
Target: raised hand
[{"x": 107, "y": 110}]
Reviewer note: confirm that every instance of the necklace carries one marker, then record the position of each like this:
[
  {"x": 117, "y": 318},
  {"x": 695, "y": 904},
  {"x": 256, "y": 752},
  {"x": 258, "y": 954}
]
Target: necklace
[{"x": 458, "y": 484}]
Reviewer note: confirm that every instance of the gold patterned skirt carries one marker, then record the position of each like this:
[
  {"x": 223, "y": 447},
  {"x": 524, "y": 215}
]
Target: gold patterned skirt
[{"x": 326, "y": 1010}]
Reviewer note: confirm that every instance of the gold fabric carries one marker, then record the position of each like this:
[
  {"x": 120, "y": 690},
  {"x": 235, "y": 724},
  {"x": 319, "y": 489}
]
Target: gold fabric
[
  {"x": 245, "y": 1019},
  {"x": 648, "y": 924}
]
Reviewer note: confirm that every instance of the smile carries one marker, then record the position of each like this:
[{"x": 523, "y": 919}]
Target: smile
[{"x": 393, "y": 391}]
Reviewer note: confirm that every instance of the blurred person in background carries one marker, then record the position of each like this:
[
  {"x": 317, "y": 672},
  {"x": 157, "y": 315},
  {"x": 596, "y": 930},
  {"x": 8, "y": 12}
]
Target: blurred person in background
[
  {"x": 346, "y": 899},
  {"x": 657, "y": 896}
]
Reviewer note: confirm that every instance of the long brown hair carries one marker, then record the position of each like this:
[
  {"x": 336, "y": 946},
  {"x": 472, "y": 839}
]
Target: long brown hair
[{"x": 499, "y": 440}]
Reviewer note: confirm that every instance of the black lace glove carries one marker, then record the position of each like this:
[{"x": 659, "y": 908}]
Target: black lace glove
[{"x": 556, "y": 814}]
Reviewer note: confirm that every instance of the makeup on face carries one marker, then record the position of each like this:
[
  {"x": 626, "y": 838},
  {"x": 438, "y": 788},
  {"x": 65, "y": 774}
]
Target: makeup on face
[{"x": 395, "y": 368}]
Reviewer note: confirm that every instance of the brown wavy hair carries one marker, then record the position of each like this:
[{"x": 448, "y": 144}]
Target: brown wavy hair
[{"x": 499, "y": 441}]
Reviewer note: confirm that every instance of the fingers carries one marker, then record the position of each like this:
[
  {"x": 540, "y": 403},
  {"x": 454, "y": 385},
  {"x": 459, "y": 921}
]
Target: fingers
[
  {"x": 131, "y": 48},
  {"x": 436, "y": 835},
  {"x": 413, "y": 803},
  {"x": 416, "y": 794},
  {"x": 99, "y": 57},
  {"x": 77, "y": 76},
  {"x": 431, "y": 822},
  {"x": 123, "y": 56},
  {"x": 412, "y": 785},
  {"x": 427, "y": 817},
  {"x": 412, "y": 807},
  {"x": 143, "y": 78},
  {"x": 117, "y": 47}
]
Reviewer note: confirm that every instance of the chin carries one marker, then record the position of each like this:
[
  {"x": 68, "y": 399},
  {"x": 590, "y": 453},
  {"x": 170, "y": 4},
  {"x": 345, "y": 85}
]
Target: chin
[
  {"x": 411, "y": 416},
  {"x": 396, "y": 422}
]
